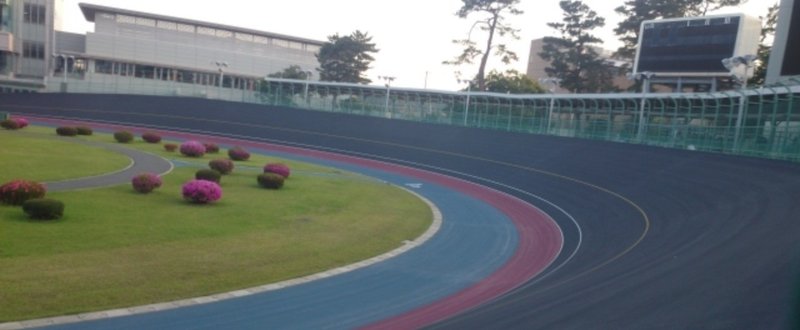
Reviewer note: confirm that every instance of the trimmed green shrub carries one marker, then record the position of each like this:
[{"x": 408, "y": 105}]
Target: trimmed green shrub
[
  {"x": 146, "y": 182},
  {"x": 43, "y": 208},
  {"x": 271, "y": 180},
  {"x": 123, "y": 136},
  {"x": 67, "y": 131},
  {"x": 211, "y": 148},
  {"x": 150, "y": 137},
  {"x": 170, "y": 147},
  {"x": 238, "y": 154},
  {"x": 17, "y": 192},
  {"x": 10, "y": 124},
  {"x": 223, "y": 166},
  {"x": 84, "y": 130},
  {"x": 208, "y": 175},
  {"x": 193, "y": 149}
]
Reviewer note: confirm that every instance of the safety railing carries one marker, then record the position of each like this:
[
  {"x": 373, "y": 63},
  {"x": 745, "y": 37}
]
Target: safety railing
[{"x": 763, "y": 122}]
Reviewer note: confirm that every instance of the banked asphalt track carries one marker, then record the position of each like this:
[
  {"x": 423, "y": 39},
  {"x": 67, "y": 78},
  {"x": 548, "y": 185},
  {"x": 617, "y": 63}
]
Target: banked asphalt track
[{"x": 665, "y": 239}]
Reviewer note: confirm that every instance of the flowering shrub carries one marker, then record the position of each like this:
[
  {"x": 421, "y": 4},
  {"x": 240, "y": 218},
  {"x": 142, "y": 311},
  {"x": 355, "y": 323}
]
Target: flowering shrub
[
  {"x": 223, "y": 166},
  {"x": 279, "y": 169},
  {"x": 201, "y": 191},
  {"x": 208, "y": 175},
  {"x": 43, "y": 208},
  {"x": 123, "y": 136},
  {"x": 170, "y": 147},
  {"x": 271, "y": 180},
  {"x": 211, "y": 148},
  {"x": 10, "y": 124},
  {"x": 238, "y": 153},
  {"x": 84, "y": 130},
  {"x": 18, "y": 191},
  {"x": 146, "y": 182},
  {"x": 193, "y": 149},
  {"x": 67, "y": 131},
  {"x": 151, "y": 137},
  {"x": 22, "y": 122}
]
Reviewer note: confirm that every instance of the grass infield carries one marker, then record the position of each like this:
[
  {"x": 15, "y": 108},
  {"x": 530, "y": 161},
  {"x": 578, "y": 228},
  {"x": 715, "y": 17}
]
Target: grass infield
[{"x": 116, "y": 248}]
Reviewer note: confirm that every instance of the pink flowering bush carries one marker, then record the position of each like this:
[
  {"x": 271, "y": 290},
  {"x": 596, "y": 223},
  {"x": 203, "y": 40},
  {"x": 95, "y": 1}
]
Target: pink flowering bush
[
  {"x": 18, "y": 191},
  {"x": 146, "y": 182},
  {"x": 201, "y": 191},
  {"x": 223, "y": 166},
  {"x": 150, "y": 137},
  {"x": 279, "y": 169},
  {"x": 193, "y": 149},
  {"x": 22, "y": 122}
]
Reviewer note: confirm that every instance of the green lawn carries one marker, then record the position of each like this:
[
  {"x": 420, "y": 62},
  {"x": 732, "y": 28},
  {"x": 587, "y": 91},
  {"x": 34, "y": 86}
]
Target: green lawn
[
  {"x": 117, "y": 248},
  {"x": 38, "y": 154}
]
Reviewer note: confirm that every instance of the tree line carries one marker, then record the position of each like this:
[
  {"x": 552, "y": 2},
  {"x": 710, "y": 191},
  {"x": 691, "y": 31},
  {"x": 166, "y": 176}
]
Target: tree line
[{"x": 572, "y": 53}]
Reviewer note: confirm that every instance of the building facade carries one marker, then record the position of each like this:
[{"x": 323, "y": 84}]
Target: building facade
[{"x": 137, "y": 52}]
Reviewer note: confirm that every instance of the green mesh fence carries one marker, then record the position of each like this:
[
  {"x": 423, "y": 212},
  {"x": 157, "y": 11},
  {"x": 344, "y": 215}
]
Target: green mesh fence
[{"x": 762, "y": 122}]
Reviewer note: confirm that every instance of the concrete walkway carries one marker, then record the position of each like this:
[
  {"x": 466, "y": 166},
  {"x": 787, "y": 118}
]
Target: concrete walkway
[{"x": 141, "y": 162}]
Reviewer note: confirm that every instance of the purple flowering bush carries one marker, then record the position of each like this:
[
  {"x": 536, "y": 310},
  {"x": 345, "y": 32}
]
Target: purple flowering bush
[
  {"x": 223, "y": 166},
  {"x": 193, "y": 149},
  {"x": 279, "y": 169},
  {"x": 201, "y": 191},
  {"x": 17, "y": 192},
  {"x": 238, "y": 153},
  {"x": 146, "y": 182},
  {"x": 22, "y": 122}
]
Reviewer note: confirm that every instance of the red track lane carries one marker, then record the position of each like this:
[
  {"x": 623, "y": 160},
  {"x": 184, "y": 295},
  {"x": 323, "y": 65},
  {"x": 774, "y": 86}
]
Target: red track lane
[{"x": 540, "y": 238}]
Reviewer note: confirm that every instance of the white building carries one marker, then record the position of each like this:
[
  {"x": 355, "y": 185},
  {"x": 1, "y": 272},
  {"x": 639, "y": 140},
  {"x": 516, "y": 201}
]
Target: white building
[{"x": 135, "y": 52}]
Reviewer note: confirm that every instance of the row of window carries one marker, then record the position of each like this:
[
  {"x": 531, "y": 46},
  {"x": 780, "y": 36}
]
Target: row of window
[
  {"x": 34, "y": 14},
  {"x": 171, "y": 74},
  {"x": 33, "y": 49},
  {"x": 209, "y": 31}
]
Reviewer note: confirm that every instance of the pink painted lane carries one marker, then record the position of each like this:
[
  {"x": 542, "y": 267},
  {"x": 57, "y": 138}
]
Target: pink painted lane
[{"x": 540, "y": 238}]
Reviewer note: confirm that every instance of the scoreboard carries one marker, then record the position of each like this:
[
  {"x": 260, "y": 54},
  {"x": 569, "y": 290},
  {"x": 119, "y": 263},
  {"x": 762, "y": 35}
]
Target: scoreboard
[
  {"x": 695, "y": 46},
  {"x": 784, "y": 61}
]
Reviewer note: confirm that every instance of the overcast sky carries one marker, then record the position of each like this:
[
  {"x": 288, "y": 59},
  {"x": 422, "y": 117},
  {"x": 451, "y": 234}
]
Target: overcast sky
[{"x": 414, "y": 36}]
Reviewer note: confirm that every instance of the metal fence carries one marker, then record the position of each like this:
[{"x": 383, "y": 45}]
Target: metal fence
[{"x": 763, "y": 122}]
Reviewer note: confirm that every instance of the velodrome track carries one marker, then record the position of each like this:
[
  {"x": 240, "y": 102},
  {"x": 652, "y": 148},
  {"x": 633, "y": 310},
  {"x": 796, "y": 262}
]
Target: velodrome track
[{"x": 664, "y": 238}]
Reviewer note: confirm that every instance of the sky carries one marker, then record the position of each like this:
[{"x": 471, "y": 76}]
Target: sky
[{"x": 414, "y": 36}]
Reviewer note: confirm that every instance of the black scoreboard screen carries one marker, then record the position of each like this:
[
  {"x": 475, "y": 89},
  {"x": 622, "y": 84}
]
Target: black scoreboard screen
[
  {"x": 791, "y": 57},
  {"x": 689, "y": 46}
]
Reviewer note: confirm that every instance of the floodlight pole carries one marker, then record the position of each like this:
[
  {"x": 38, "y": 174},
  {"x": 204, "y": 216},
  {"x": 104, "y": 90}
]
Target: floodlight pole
[
  {"x": 220, "y": 67},
  {"x": 731, "y": 64},
  {"x": 469, "y": 91},
  {"x": 305, "y": 92},
  {"x": 645, "y": 77},
  {"x": 552, "y": 85},
  {"x": 388, "y": 80}
]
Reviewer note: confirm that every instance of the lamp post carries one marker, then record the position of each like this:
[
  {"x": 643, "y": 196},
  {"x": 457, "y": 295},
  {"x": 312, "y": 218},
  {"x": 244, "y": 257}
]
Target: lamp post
[
  {"x": 221, "y": 65},
  {"x": 733, "y": 64},
  {"x": 645, "y": 78},
  {"x": 63, "y": 64},
  {"x": 305, "y": 92},
  {"x": 388, "y": 80},
  {"x": 469, "y": 91},
  {"x": 552, "y": 84}
]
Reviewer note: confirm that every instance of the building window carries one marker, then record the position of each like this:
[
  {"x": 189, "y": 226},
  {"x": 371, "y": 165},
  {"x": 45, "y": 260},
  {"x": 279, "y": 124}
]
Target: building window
[
  {"x": 32, "y": 49},
  {"x": 102, "y": 66},
  {"x": 34, "y": 14}
]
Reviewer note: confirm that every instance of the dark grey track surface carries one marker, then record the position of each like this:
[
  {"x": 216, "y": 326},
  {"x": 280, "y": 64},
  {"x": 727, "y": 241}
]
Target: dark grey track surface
[
  {"x": 142, "y": 162},
  {"x": 721, "y": 250}
]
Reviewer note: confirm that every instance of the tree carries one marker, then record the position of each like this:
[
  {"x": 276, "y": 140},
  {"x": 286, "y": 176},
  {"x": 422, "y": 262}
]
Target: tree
[
  {"x": 493, "y": 22},
  {"x": 637, "y": 11},
  {"x": 573, "y": 56},
  {"x": 292, "y": 72},
  {"x": 346, "y": 59},
  {"x": 510, "y": 82},
  {"x": 765, "y": 48}
]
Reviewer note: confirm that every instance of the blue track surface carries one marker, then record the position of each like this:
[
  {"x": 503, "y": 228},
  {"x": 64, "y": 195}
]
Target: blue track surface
[{"x": 450, "y": 261}]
